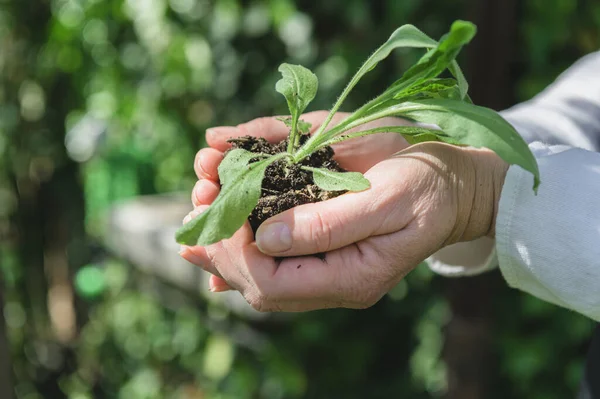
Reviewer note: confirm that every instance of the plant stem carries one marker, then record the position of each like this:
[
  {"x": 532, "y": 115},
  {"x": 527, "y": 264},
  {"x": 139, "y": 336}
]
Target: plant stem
[
  {"x": 354, "y": 120},
  {"x": 406, "y": 131},
  {"x": 316, "y": 141},
  {"x": 337, "y": 139},
  {"x": 293, "y": 133},
  {"x": 320, "y": 136}
]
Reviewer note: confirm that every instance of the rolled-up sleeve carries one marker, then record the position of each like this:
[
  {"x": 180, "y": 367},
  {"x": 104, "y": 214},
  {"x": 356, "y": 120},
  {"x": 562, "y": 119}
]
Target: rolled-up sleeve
[{"x": 548, "y": 245}]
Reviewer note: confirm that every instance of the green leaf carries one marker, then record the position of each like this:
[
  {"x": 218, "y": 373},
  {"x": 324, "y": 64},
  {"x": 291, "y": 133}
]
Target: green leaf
[
  {"x": 422, "y": 40},
  {"x": 240, "y": 191},
  {"x": 432, "y": 88},
  {"x": 299, "y": 87},
  {"x": 436, "y": 60},
  {"x": 412, "y": 134},
  {"x": 235, "y": 162},
  {"x": 407, "y": 36},
  {"x": 424, "y": 137},
  {"x": 338, "y": 181},
  {"x": 429, "y": 66},
  {"x": 474, "y": 126},
  {"x": 463, "y": 85},
  {"x": 303, "y": 127}
]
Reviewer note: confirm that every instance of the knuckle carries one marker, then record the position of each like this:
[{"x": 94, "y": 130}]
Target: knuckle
[
  {"x": 210, "y": 263},
  {"x": 197, "y": 158},
  {"x": 258, "y": 302},
  {"x": 320, "y": 232},
  {"x": 258, "y": 124},
  {"x": 243, "y": 129},
  {"x": 263, "y": 301},
  {"x": 368, "y": 299}
]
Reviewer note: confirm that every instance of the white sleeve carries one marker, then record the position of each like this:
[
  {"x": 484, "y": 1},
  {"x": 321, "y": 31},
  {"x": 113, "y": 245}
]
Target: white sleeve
[
  {"x": 567, "y": 112},
  {"x": 535, "y": 235},
  {"x": 547, "y": 245}
]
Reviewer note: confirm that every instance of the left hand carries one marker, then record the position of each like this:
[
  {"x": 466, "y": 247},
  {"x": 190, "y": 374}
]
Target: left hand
[{"x": 358, "y": 155}]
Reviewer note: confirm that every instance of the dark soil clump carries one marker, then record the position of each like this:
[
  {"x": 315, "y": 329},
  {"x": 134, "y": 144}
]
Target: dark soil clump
[{"x": 286, "y": 185}]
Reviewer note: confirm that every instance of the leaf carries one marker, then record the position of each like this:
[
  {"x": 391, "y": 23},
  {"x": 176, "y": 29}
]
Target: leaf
[
  {"x": 234, "y": 163},
  {"x": 406, "y": 36},
  {"x": 337, "y": 181},
  {"x": 299, "y": 87},
  {"x": 463, "y": 85},
  {"x": 241, "y": 187},
  {"x": 474, "y": 126},
  {"x": 303, "y": 127},
  {"x": 429, "y": 67},
  {"x": 436, "y": 60},
  {"x": 425, "y": 137},
  {"x": 287, "y": 120},
  {"x": 412, "y": 134},
  {"x": 422, "y": 40},
  {"x": 432, "y": 88}
]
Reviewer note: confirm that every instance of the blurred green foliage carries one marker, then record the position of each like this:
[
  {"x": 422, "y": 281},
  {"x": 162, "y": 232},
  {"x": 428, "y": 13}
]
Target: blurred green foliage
[{"x": 103, "y": 100}]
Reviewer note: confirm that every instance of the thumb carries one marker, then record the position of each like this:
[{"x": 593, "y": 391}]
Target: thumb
[{"x": 321, "y": 227}]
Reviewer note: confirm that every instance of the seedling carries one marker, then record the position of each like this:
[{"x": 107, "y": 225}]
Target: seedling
[{"x": 419, "y": 95}]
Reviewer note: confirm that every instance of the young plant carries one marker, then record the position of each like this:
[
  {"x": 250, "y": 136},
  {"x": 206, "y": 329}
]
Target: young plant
[{"x": 419, "y": 95}]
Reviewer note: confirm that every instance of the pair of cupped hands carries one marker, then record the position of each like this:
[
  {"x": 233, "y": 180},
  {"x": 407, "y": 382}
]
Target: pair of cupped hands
[{"x": 422, "y": 198}]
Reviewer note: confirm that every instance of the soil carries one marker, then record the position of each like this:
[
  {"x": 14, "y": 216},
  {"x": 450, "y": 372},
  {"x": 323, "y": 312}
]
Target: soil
[{"x": 286, "y": 186}]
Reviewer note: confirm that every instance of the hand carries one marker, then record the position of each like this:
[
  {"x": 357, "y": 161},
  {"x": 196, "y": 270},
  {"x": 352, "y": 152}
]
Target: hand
[
  {"x": 421, "y": 199},
  {"x": 357, "y": 155}
]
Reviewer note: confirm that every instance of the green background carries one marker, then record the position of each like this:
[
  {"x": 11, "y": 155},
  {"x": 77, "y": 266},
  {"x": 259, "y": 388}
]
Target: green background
[{"x": 145, "y": 78}]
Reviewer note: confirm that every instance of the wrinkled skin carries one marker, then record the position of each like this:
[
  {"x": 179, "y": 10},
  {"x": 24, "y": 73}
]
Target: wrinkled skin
[{"x": 421, "y": 198}]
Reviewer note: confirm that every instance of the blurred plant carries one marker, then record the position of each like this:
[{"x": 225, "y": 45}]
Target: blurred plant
[{"x": 106, "y": 100}]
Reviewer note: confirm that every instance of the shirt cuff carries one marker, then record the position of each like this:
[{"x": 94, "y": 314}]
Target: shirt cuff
[{"x": 465, "y": 258}]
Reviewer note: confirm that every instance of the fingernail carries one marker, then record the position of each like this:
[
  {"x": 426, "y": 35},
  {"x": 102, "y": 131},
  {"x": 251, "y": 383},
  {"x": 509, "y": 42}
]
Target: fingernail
[
  {"x": 199, "y": 166},
  {"x": 218, "y": 288},
  {"x": 195, "y": 192},
  {"x": 274, "y": 237},
  {"x": 197, "y": 211},
  {"x": 221, "y": 288}
]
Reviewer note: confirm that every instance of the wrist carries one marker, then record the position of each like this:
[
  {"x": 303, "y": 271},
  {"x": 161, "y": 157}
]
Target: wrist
[
  {"x": 488, "y": 173},
  {"x": 462, "y": 185}
]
